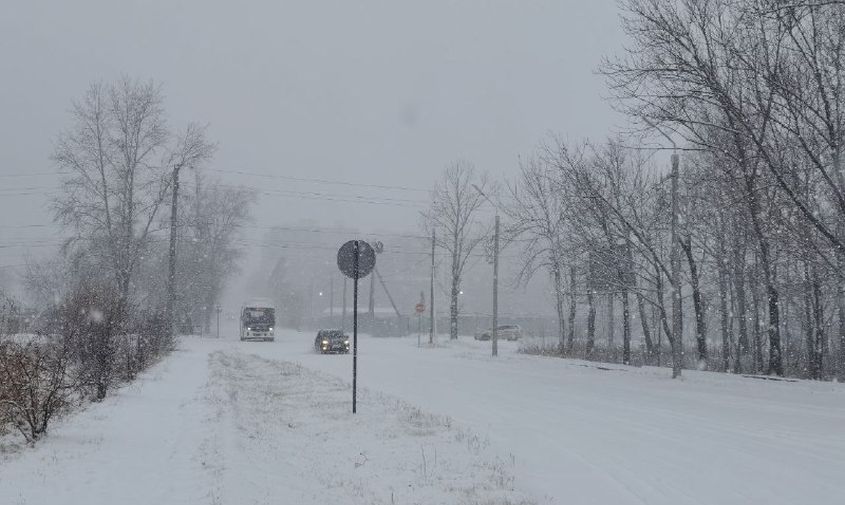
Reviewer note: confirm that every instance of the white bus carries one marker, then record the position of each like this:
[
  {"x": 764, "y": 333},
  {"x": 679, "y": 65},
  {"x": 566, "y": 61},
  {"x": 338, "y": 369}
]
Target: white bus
[{"x": 258, "y": 321}]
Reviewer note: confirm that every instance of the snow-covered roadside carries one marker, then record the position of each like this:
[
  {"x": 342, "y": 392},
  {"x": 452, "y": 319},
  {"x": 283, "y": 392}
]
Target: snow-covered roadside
[
  {"x": 588, "y": 433},
  {"x": 283, "y": 431},
  {"x": 212, "y": 425},
  {"x": 137, "y": 446}
]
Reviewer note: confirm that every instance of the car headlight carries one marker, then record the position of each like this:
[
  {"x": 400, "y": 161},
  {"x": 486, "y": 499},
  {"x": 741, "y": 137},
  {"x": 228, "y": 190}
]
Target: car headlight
[
  {"x": 325, "y": 342},
  {"x": 248, "y": 328},
  {"x": 345, "y": 342},
  {"x": 271, "y": 328}
]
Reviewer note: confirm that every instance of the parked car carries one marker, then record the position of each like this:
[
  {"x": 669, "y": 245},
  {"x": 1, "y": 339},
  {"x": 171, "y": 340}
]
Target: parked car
[
  {"x": 331, "y": 341},
  {"x": 504, "y": 332}
]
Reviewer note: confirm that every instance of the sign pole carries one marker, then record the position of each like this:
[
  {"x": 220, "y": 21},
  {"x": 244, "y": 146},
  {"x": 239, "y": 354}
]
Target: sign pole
[
  {"x": 355, "y": 259},
  {"x": 355, "y": 330},
  {"x": 433, "y": 330}
]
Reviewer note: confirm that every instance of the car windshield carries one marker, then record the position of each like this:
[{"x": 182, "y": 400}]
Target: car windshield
[{"x": 333, "y": 335}]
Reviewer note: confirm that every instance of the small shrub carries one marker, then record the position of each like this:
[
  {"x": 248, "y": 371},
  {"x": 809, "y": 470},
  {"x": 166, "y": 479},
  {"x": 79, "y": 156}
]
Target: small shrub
[{"x": 37, "y": 383}]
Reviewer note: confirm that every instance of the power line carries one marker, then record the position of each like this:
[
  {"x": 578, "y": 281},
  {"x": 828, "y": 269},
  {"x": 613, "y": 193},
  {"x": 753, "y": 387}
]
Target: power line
[
  {"x": 334, "y": 231},
  {"x": 304, "y": 195},
  {"x": 321, "y": 181},
  {"x": 32, "y": 174}
]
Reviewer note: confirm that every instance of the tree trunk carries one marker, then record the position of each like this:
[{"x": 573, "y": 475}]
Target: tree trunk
[
  {"x": 757, "y": 343},
  {"x": 769, "y": 275},
  {"x": 453, "y": 311},
  {"x": 775, "y": 351},
  {"x": 698, "y": 305},
  {"x": 741, "y": 309},
  {"x": 840, "y": 299},
  {"x": 836, "y": 154},
  {"x": 661, "y": 307},
  {"x": 649, "y": 344},
  {"x": 611, "y": 327},
  {"x": 819, "y": 340},
  {"x": 559, "y": 301},
  {"x": 626, "y": 328},
  {"x": 572, "y": 306},
  {"x": 727, "y": 337},
  {"x": 809, "y": 324},
  {"x": 591, "y": 323}
]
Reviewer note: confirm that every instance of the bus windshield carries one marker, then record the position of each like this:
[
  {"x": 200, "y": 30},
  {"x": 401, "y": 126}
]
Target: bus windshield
[{"x": 259, "y": 315}]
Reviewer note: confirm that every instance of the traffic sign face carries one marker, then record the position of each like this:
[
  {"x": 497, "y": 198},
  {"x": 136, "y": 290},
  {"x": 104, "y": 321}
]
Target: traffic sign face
[
  {"x": 420, "y": 308},
  {"x": 347, "y": 263}
]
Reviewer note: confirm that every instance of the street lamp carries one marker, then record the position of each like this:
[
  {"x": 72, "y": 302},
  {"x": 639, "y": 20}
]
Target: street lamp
[{"x": 495, "y": 333}]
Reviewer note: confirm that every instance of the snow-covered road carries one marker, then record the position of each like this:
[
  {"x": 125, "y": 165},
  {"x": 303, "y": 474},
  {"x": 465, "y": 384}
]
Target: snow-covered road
[
  {"x": 580, "y": 434},
  {"x": 225, "y": 422}
]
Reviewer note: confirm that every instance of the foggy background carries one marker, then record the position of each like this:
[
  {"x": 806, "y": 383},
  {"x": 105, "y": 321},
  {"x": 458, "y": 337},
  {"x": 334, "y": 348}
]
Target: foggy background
[{"x": 303, "y": 97}]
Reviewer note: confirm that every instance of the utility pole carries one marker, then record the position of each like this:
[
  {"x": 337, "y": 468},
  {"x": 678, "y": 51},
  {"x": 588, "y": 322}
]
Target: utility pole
[
  {"x": 495, "y": 332},
  {"x": 171, "y": 274},
  {"x": 675, "y": 260},
  {"x": 675, "y": 266},
  {"x": 496, "y": 288},
  {"x": 433, "y": 327}
]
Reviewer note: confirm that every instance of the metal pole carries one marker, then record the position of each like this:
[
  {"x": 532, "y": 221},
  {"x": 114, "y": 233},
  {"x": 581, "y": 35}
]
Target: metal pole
[
  {"x": 433, "y": 327},
  {"x": 331, "y": 298},
  {"x": 343, "y": 314},
  {"x": 496, "y": 288},
  {"x": 372, "y": 306},
  {"x": 355, "y": 332},
  {"x": 387, "y": 292},
  {"x": 218, "y": 321},
  {"x": 311, "y": 303},
  {"x": 677, "y": 328}
]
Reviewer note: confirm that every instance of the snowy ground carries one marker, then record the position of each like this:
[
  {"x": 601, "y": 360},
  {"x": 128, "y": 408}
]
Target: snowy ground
[
  {"x": 230, "y": 422},
  {"x": 216, "y": 424}
]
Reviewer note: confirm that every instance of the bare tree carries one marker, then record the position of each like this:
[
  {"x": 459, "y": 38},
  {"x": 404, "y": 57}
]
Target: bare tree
[
  {"x": 113, "y": 153},
  {"x": 455, "y": 203},
  {"x": 212, "y": 222},
  {"x": 538, "y": 212},
  {"x": 191, "y": 150}
]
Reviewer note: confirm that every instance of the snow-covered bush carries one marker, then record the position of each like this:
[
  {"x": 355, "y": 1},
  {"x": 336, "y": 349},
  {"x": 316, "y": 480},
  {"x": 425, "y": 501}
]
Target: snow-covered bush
[{"x": 37, "y": 383}]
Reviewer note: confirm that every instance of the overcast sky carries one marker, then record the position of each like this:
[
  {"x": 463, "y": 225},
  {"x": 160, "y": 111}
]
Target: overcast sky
[{"x": 380, "y": 92}]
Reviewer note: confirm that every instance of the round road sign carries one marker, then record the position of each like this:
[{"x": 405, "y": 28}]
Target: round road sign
[{"x": 346, "y": 259}]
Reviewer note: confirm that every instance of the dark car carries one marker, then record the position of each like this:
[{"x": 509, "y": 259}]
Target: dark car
[
  {"x": 504, "y": 332},
  {"x": 331, "y": 341}
]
